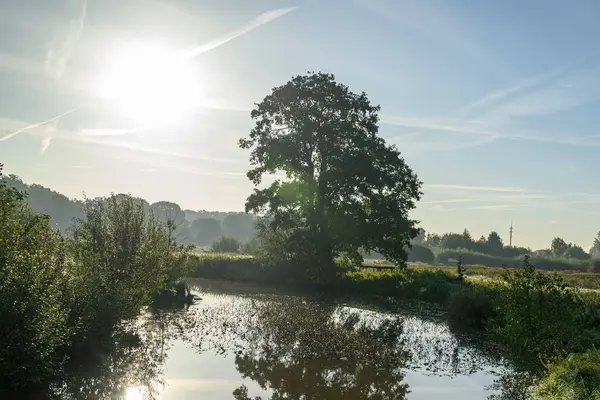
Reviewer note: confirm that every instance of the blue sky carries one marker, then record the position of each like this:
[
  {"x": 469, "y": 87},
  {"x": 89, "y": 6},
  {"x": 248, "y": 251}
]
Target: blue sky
[{"x": 492, "y": 103}]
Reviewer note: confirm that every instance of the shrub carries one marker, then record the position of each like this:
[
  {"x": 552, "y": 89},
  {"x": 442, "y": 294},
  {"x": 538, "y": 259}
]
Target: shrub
[
  {"x": 460, "y": 269},
  {"x": 33, "y": 295},
  {"x": 540, "y": 312},
  {"x": 469, "y": 308},
  {"x": 420, "y": 253},
  {"x": 594, "y": 266},
  {"x": 226, "y": 244},
  {"x": 576, "y": 377},
  {"x": 250, "y": 247},
  {"x": 122, "y": 258}
]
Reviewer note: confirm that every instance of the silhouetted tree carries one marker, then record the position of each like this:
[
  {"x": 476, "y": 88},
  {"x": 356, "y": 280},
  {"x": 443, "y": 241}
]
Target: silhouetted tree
[
  {"x": 345, "y": 187},
  {"x": 558, "y": 247},
  {"x": 239, "y": 226},
  {"x": 495, "y": 244},
  {"x": 206, "y": 231},
  {"x": 433, "y": 240},
  {"x": 595, "y": 250},
  {"x": 576, "y": 252},
  {"x": 420, "y": 253},
  {"x": 454, "y": 241}
]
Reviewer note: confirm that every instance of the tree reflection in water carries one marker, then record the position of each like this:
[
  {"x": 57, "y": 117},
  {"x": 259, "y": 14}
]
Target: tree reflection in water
[
  {"x": 292, "y": 347},
  {"x": 128, "y": 366},
  {"x": 302, "y": 350}
]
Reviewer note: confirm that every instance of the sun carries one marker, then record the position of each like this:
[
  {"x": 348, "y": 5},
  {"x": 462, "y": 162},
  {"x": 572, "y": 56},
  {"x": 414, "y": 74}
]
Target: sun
[
  {"x": 150, "y": 83},
  {"x": 133, "y": 393}
]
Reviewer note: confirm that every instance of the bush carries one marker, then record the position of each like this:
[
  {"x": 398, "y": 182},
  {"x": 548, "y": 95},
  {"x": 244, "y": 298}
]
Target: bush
[
  {"x": 540, "y": 312},
  {"x": 122, "y": 257},
  {"x": 470, "y": 309},
  {"x": 420, "y": 253},
  {"x": 33, "y": 295},
  {"x": 594, "y": 266},
  {"x": 576, "y": 377},
  {"x": 250, "y": 247},
  {"x": 226, "y": 244}
]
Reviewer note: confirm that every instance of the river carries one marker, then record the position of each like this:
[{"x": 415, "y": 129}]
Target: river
[{"x": 244, "y": 342}]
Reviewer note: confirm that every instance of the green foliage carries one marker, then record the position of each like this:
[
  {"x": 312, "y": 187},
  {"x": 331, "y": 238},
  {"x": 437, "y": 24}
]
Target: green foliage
[
  {"x": 576, "y": 377},
  {"x": 58, "y": 293},
  {"x": 460, "y": 269},
  {"x": 575, "y": 252},
  {"x": 33, "y": 305},
  {"x": 594, "y": 266},
  {"x": 239, "y": 226},
  {"x": 448, "y": 257},
  {"x": 122, "y": 257},
  {"x": 490, "y": 246},
  {"x": 558, "y": 246},
  {"x": 345, "y": 188},
  {"x": 60, "y": 208},
  {"x": 250, "y": 247},
  {"x": 205, "y": 231},
  {"x": 419, "y": 253},
  {"x": 470, "y": 308},
  {"x": 540, "y": 312},
  {"x": 226, "y": 244}
]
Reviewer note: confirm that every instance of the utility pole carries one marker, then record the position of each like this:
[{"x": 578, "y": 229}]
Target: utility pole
[{"x": 510, "y": 237}]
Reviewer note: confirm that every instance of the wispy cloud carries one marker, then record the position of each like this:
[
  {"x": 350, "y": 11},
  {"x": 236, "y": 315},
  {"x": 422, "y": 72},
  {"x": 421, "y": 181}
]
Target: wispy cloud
[
  {"x": 519, "y": 87},
  {"x": 436, "y": 22},
  {"x": 141, "y": 148},
  {"x": 442, "y": 198},
  {"x": 476, "y": 188},
  {"x": 497, "y": 207},
  {"x": 59, "y": 56},
  {"x": 564, "y": 93}
]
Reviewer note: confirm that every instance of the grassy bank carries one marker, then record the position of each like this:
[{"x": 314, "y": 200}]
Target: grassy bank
[
  {"x": 573, "y": 278},
  {"x": 534, "y": 313}
]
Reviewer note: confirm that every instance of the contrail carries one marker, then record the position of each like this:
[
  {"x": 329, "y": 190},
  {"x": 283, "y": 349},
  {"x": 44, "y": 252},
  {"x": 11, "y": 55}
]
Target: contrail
[
  {"x": 59, "y": 61},
  {"x": 56, "y": 60},
  {"x": 255, "y": 23},
  {"x": 29, "y": 127}
]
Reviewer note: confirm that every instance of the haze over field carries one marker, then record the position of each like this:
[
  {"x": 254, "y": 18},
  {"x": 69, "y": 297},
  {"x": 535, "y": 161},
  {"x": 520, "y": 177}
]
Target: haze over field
[{"x": 150, "y": 97}]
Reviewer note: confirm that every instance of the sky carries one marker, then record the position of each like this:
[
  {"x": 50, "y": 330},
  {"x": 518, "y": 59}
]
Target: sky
[{"x": 493, "y": 104}]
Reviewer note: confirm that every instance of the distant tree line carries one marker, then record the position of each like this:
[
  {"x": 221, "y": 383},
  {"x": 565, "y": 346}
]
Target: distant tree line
[
  {"x": 236, "y": 232},
  {"x": 200, "y": 228}
]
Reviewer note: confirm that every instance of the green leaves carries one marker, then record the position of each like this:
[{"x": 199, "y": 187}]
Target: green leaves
[{"x": 343, "y": 183}]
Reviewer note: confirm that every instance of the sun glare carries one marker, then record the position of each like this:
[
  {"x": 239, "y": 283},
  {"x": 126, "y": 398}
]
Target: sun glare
[
  {"x": 133, "y": 393},
  {"x": 151, "y": 84}
]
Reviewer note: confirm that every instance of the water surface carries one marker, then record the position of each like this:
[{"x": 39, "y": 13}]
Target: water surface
[{"x": 242, "y": 342}]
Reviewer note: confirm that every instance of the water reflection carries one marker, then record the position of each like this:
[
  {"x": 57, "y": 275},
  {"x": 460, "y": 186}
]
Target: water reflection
[
  {"x": 291, "y": 347},
  {"x": 128, "y": 366},
  {"x": 300, "y": 351}
]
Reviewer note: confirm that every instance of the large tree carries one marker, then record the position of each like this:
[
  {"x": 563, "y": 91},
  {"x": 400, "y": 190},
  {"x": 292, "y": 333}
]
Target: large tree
[{"x": 345, "y": 188}]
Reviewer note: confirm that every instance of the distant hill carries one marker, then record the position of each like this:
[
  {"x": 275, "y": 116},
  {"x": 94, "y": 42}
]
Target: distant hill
[{"x": 200, "y": 228}]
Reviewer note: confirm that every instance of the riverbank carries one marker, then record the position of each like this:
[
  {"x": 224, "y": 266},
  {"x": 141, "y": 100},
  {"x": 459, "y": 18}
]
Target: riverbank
[{"x": 527, "y": 310}]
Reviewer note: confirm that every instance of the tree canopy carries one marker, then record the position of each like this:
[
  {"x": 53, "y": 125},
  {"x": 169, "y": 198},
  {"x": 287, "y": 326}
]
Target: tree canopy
[{"x": 344, "y": 187}]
